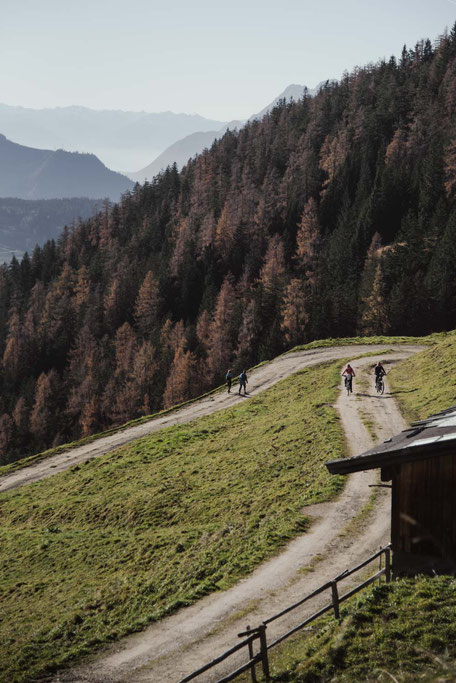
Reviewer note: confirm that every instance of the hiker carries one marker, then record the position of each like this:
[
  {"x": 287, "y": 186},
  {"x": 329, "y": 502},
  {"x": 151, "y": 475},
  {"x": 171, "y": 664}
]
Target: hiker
[
  {"x": 243, "y": 382},
  {"x": 229, "y": 379}
]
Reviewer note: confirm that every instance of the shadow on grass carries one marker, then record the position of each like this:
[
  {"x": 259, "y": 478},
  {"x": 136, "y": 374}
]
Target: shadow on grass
[{"x": 403, "y": 391}]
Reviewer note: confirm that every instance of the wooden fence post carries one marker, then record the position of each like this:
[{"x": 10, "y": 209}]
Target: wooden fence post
[
  {"x": 264, "y": 651},
  {"x": 252, "y": 668},
  {"x": 335, "y": 599},
  {"x": 388, "y": 565}
]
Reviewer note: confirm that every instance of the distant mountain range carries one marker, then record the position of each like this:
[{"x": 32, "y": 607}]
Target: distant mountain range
[
  {"x": 190, "y": 145},
  {"x": 181, "y": 151},
  {"x": 121, "y": 139},
  {"x": 29, "y": 173}
]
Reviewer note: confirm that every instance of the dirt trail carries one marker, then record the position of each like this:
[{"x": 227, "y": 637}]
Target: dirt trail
[
  {"x": 181, "y": 643},
  {"x": 260, "y": 379}
]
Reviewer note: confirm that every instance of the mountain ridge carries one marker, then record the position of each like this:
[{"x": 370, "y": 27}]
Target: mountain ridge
[
  {"x": 121, "y": 138},
  {"x": 185, "y": 148},
  {"x": 31, "y": 173}
]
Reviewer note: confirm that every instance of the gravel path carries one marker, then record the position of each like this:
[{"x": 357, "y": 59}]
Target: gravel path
[
  {"x": 260, "y": 379},
  {"x": 181, "y": 643}
]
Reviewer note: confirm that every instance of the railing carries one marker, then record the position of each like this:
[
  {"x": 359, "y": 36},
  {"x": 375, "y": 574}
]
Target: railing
[{"x": 259, "y": 633}]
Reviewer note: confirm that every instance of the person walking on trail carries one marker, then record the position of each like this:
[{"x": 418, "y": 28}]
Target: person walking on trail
[
  {"x": 349, "y": 373},
  {"x": 243, "y": 382},
  {"x": 379, "y": 372},
  {"x": 229, "y": 379}
]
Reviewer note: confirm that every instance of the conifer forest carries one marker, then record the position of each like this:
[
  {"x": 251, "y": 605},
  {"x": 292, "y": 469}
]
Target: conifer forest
[{"x": 332, "y": 216}]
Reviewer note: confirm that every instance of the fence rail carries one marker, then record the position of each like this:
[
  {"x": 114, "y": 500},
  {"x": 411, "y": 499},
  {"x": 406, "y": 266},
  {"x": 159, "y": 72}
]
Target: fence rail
[{"x": 258, "y": 633}]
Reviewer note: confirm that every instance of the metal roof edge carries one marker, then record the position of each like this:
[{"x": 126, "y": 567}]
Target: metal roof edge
[{"x": 359, "y": 463}]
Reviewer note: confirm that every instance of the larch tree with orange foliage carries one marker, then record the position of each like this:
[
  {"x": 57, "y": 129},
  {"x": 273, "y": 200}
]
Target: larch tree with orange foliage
[
  {"x": 220, "y": 342},
  {"x": 308, "y": 240},
  {"x": 146, "y": 306},
  {"x": 294, "y": 313},
  {"x": 180, "y": 382},
  {"x": 44, "y": 417},
  {"x": 272, "y": 284}
]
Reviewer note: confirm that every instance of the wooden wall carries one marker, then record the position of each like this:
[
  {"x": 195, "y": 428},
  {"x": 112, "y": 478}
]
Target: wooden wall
[{"x": 423, "y": 520}]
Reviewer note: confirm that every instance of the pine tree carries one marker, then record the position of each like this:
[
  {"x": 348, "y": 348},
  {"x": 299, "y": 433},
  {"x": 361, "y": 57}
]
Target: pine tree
[
  {"x": 249, "y": 333},
  {"x": 6, "y": 438},
  {"x": 272, "y": 284},
  {"x": 307, "y": 242},
  {"x": 145, "y": 367},
  {"x": 374, "y": 320}
]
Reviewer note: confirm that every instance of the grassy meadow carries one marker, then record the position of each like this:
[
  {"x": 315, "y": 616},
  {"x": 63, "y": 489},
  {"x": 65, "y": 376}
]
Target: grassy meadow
[
  {"x": 426, "y": 383},
  {"x": 404, "y": 631},
  {"x": 107, "y": 547}
]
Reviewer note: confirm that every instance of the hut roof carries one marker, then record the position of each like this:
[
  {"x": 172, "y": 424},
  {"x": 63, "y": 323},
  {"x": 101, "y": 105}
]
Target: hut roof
[{"x": 424, "y": 439}]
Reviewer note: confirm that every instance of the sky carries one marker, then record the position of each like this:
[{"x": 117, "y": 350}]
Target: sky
[{"x": 223, "y": 60}]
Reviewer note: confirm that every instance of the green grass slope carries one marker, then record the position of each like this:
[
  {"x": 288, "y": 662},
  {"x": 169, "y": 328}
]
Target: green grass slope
[
  {"x": 109, "y": 546},
  {"x": 405, "y": 631},
  {"x": 426, "y": 383}
]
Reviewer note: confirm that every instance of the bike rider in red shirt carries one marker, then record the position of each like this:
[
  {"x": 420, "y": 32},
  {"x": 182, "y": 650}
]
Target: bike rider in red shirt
[{"x": 349, "y": 373}]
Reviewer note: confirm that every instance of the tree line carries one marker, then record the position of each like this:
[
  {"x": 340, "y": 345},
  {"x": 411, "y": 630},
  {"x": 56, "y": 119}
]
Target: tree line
[{"x": 334, "y": 215}]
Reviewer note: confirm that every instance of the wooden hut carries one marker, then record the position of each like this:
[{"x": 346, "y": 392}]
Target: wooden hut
[{"x": 420, "y": 463}]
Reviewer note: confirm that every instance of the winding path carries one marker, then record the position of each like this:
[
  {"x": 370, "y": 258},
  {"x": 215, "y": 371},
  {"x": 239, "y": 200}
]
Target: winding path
[
  {"x": 175, "y": 646},
  {"x": 260, "y": 379}
]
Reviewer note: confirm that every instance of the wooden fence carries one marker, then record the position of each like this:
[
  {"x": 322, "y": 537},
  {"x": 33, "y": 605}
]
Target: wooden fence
[{"x": 250, "y": 635}]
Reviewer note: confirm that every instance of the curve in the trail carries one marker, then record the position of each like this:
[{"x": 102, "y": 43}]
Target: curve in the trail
[
  {"x": 181, "y": 643},
  {"x": 261, "y": 378}
]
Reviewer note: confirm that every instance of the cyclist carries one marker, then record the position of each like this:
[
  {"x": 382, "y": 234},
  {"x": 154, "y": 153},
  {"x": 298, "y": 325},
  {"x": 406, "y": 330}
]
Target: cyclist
[
  {"x": 379, "y": 373},
  {"x": 349, "y": 373}
]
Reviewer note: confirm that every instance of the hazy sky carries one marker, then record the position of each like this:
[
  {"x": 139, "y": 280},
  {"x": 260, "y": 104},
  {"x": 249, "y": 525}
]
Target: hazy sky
[{"x": 222, "y": 60}]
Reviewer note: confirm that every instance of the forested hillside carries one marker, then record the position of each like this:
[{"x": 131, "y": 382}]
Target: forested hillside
[
  {"x": 27, "y": 222},
  {"x": 332, "y": 215}
]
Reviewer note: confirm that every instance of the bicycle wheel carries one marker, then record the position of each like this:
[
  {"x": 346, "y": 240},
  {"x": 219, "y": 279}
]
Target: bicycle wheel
[{"x": 382, "y": 386}]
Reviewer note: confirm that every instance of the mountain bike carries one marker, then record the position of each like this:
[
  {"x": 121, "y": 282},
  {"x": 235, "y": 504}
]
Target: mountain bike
[
  {"x": 380, "y": 385},
  {"x": 349, "y": 384}
]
